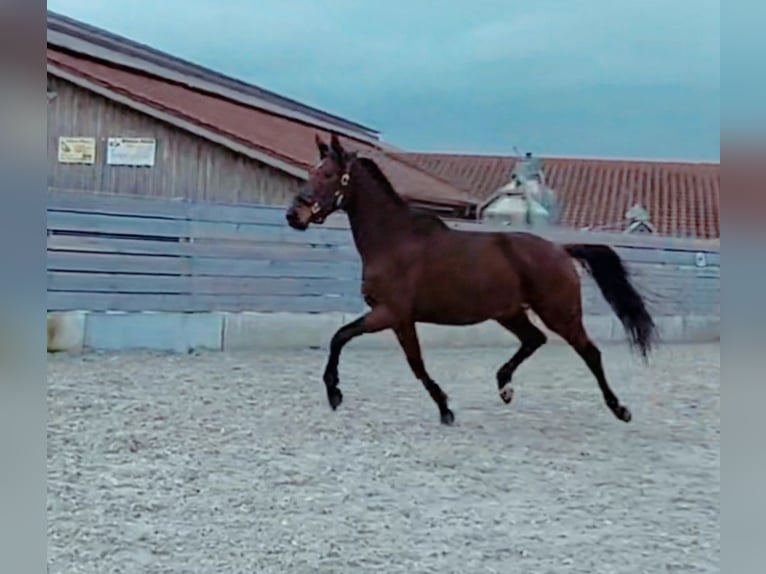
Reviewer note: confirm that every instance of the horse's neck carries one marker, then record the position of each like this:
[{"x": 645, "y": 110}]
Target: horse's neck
[{"x": 376, "y": 221}]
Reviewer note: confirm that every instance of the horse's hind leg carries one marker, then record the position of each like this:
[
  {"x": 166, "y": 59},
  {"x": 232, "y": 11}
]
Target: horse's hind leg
[
  {"x": 531, "y": 339},
  {"x": 571, "y": 329},
  {"x": 408, "y": 339},
  {"x": 591, "y": 354}
]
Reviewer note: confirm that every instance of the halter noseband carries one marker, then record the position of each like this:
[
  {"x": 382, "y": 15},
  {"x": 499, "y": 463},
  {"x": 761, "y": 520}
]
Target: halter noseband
[{"x": 338, "y": 195}]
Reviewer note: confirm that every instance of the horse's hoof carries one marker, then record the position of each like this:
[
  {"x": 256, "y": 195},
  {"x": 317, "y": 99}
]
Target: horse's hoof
[
  {"x": 623, "y": 413},
  {"x": 447, "y": 417},
  {"x": 334, "y": 397},
  {"x": 506, "y": 393}
]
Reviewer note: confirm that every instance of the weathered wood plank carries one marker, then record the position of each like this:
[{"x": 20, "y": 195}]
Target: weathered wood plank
[
  {"x": 250, "y": 249},
  {"x": 665, "y": 256},
  {"x": 135, "y": 302},
  {"x": 577, "y": 236},
  {"x": 174, "y": 208},
  {"x": 117, "y": 283},
  {"x": 257, "y": 214},
  {"x": 251, "y": 214},
  {"x": 111, "y": 263},
  {"x": 275, "y": 268},
  {"x": 114, "y": 204},
  {"x": 247, "y": 249},
  {"x": 270, "y": 233},
  {"x": 276, "y": 303},
  {"x": 281, "y": 286},
  {"x": 672, "y": 273},
  {"x": 134, "y": 283},
  {"x": 116, "y": 224},
  {"x": 239, "y": 251},
  {"x": 666, "y": 293},
  {"x": 116, "y": 245},
  {"x": 77, "y": 301}
]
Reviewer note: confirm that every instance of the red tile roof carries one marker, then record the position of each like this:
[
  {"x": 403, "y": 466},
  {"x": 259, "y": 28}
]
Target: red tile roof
[
  {"x": 682, "y": 198},
  {"x": 283, "y": 139}
]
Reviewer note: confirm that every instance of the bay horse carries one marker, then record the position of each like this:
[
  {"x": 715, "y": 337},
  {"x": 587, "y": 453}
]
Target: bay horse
[{"x": 417, "y": 269}]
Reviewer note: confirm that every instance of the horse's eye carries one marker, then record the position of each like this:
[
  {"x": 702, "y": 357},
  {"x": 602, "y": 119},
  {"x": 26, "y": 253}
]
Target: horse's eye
[{"x": 328, "y": 175}]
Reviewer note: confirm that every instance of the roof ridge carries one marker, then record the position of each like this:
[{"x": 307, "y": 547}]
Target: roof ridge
[
  {"x": 458, "y": 154},
  {"x": 195, "y": 89},
  {"x": 581, "y": 159},
  {"x": 117, "y": 43}
]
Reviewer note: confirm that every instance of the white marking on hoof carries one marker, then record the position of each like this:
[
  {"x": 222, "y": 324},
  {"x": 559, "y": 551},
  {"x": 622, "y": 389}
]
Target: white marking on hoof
[{"x": 506, "y": 393}]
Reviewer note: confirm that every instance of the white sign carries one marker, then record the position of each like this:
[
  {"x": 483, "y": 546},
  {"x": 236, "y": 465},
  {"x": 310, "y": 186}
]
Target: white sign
[
  {"x": 131, "y": 151},
  {"x": 77, "y": 150},
  {"x": 700, "y": 259}
]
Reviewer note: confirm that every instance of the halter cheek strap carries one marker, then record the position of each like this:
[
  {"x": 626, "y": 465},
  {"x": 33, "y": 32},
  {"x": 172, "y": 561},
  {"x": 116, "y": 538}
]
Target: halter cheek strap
[{"x": 339, "y": 196}]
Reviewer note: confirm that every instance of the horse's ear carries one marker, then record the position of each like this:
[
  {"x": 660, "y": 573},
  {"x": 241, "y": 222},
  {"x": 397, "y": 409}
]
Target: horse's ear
[
  {"x": 321, "y": 146},
  {"x": 337, "y": 147}
]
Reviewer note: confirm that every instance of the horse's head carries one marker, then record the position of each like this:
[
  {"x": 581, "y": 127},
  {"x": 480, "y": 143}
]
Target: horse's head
[{"x": 327, "y": 189}]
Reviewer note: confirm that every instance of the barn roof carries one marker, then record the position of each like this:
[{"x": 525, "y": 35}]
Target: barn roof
[
  {"x": 682, "y": 198},
  {"x": 276, "y": 140},
  {"x": 70, "y": 34}
]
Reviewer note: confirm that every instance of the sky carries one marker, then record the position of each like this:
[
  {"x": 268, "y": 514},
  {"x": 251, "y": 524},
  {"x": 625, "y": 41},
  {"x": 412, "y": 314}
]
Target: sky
[{"x": 592, "y": 78}]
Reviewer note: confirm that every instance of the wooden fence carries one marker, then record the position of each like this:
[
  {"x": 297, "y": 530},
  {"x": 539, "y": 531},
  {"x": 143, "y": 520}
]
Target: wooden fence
[{"x": 123, "y": 253}]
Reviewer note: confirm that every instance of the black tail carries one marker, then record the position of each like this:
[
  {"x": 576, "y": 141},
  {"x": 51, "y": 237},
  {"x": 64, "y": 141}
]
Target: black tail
[{"x": 606, "y": 267}]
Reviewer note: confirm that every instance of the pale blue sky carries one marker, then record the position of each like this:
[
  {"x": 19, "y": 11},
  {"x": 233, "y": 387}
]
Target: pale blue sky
[{"x": 609, "y": 78}]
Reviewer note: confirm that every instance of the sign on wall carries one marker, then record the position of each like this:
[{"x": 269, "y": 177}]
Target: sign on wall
[
  {"x": 77, "y": 150},
  {"x": 131, "y": 151}
]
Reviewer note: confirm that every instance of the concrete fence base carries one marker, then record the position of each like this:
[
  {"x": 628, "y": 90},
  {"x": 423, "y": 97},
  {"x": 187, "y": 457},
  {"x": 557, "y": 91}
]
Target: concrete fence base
[{"x": 78, "y": 331}]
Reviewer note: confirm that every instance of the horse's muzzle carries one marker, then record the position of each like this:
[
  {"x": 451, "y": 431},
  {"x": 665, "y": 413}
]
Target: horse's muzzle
[{"x": 295, "y": 220}]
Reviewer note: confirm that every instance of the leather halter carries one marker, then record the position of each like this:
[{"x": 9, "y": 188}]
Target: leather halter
[{"x": 338, "y": 195}]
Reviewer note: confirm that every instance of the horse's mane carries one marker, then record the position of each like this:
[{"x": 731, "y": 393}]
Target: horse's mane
[
  {"x": 377, "y": 174},
  {"x": 374, "y": 171}
]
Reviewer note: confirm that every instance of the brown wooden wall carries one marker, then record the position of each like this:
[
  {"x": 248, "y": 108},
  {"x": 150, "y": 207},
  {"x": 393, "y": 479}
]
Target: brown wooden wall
[{"x": 186, "y": 165}]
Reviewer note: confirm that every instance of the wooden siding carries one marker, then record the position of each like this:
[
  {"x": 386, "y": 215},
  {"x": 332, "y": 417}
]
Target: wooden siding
[
  {"x": 140, "y": 254},
  {"x": 186, "y": 166}
]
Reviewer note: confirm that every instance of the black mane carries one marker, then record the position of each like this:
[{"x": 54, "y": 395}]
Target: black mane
[
  {"x": 419, "y": 216},
  {"x": 372, "y": 168}
]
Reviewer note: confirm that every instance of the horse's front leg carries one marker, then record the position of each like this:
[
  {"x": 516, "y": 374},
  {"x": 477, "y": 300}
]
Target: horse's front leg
[
  {"x": 378, "y": 319},
  {"x": 408, "y": 339}
]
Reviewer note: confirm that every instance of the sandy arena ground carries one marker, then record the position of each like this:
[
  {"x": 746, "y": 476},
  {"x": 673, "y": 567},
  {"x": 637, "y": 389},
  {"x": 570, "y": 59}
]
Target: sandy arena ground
[{"x": 234, "y": 463}]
